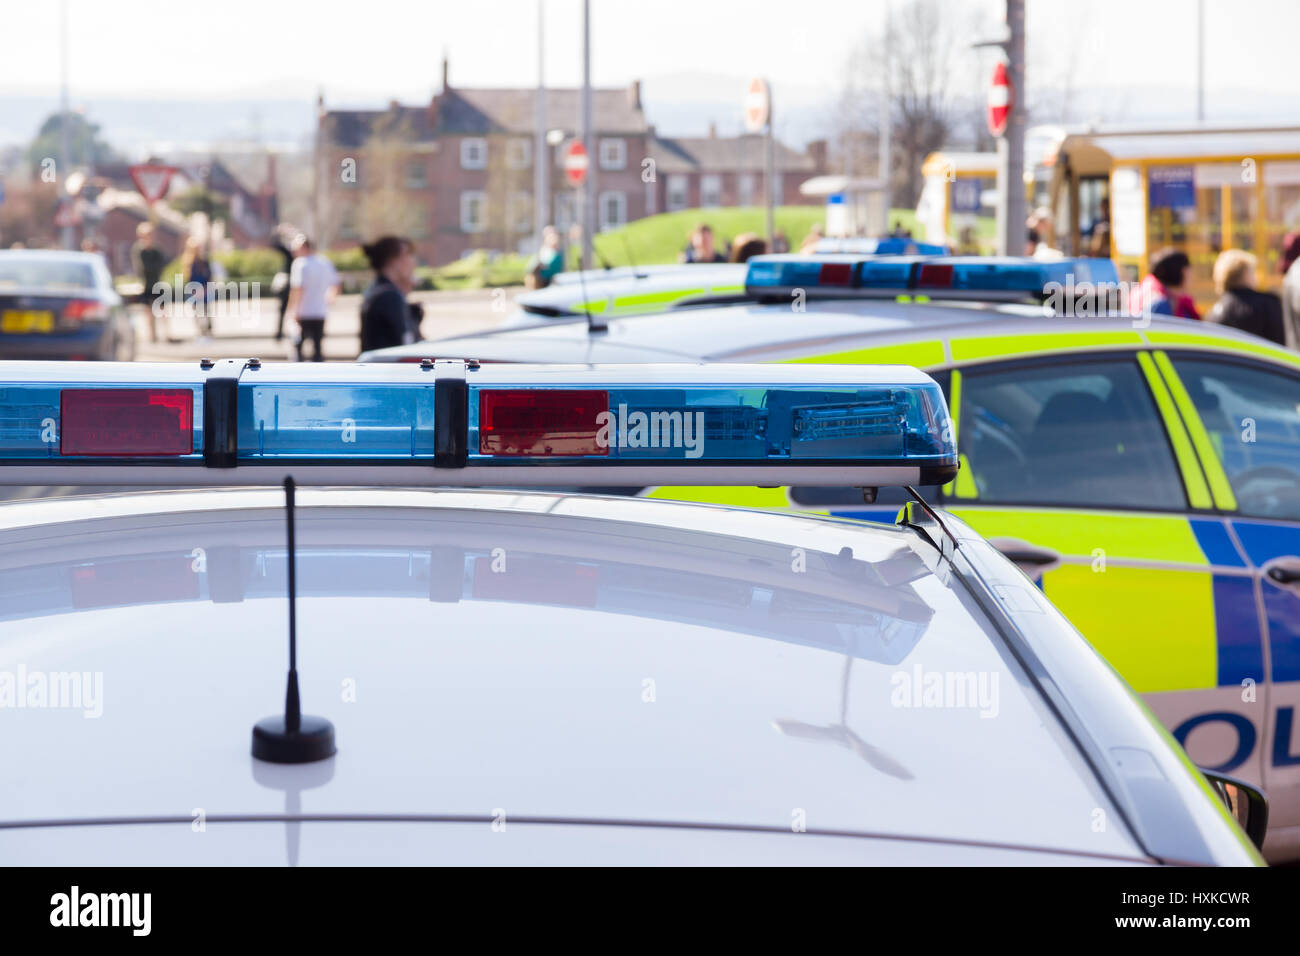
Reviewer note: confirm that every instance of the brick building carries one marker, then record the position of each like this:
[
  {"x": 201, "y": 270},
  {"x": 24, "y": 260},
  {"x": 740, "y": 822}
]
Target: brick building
[
  {"x": 731, "y": 171},
  {"x": 457, "y": 174}
]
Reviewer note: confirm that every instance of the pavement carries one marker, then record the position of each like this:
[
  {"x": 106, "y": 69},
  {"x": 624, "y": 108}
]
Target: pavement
[{"x": 247, "y": 329}]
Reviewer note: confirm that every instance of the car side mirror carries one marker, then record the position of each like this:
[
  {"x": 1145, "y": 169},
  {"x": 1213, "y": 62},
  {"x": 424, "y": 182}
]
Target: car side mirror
[{"x": 1246, "y": 803}]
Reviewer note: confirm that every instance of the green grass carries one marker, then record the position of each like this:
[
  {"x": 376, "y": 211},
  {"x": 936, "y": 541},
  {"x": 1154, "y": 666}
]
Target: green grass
[
  {"x": 476, "y": 271},
  {"x": 655, "y": 240}
]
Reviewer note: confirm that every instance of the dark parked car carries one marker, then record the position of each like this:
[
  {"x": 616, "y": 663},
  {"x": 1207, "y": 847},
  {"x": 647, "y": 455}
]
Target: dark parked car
[{"x": 61, "y": 305}]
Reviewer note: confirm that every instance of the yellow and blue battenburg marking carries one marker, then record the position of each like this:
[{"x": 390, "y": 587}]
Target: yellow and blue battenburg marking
[{"x": 490, "y": 424}]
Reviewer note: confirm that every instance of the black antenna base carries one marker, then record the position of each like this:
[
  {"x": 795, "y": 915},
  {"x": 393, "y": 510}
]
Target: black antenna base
[{"x": 312, "y": 741}]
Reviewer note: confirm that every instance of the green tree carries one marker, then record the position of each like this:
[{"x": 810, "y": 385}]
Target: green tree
[
  {"x": 84, "y": 142},
  {"x": 198, "y": 198}
]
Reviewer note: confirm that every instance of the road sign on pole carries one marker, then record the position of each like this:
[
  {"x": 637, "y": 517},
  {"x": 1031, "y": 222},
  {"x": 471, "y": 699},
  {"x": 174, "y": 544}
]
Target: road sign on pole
[
  {"x": 758, "y": 105},
  {"x": 999, "y": 102},
  {"x": 151, "y": 179},
  {"x": 1007, "y": 121},
  {"x": 758, "y": 118},
  {"x": 576, "y": 163}
]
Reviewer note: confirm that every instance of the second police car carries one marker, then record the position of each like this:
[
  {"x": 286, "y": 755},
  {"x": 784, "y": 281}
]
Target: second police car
[
  {"x": 607, "y": 679},
  {"x": 1145, "y": 471}
]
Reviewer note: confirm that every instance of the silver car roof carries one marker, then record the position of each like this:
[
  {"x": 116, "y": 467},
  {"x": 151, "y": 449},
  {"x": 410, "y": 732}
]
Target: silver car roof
[
  {"x": 758, "y": 331},
  {"x": 625, "y": 660}
]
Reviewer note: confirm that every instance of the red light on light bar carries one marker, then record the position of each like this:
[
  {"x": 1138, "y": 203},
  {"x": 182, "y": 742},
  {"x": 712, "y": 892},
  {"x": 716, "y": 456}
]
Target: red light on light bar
[
  {"x": 935, "y": 276},
  {"x": 835, "y": 273},
  {"x": 542, "y": 422},
  {"x": 126, "y": 421}
]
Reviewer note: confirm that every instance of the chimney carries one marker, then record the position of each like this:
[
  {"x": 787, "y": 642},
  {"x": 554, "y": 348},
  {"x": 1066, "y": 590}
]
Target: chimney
[
  {"x": 713, "y": 130},
  {"x": 446, "y": 72},
  {"x": 634, "y": 95},
  {"x": 817, "y": 153}
]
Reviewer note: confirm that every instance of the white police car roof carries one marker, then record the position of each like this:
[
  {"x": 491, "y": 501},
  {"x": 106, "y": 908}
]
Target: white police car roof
[
  {"x": 751, "y": 332},
  {"x": 618, "y": 680}
]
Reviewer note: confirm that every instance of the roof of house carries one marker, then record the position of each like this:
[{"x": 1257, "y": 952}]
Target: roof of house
[
  {"x": 483, "y": 112},
  {"x": 725, "y": 153},
  {"x": 515, "y": 111}
]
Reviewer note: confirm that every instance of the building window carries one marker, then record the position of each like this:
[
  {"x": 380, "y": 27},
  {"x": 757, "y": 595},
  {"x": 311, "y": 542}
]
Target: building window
[
  {"x": 613, "y": 210},
  {"x": 613, "y": 154},
  {"x": 473, "y": 154},
  {"x": 711, "y": 190},
  {"x": 745, "y": 189},
  {"x": 420, "y": 223},
  {"x": 678, "y": 194},
  {"x": 348, "y": 224},
  {"x": 519, "y": 212},
  {"x": 778, "y": 189},
  {"x": 519, "y": 153},
  {"x": 417, "y": 174},
  {"x": 473, "y": 211}
]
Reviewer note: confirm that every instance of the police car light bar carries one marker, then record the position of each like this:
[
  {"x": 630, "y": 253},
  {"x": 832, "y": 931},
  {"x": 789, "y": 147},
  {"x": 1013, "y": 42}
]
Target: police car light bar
[
  {"x": 939, "y": 277},
  {"x": 452, "y": 423}
]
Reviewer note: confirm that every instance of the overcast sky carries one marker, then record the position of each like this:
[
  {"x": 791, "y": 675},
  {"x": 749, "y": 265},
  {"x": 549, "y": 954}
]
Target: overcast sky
[{"x": 359, "y": 51}]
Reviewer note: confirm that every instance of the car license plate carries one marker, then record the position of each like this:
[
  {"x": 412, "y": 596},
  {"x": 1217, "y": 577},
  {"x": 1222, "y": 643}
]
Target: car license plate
[{"x": 16, "y": 320}]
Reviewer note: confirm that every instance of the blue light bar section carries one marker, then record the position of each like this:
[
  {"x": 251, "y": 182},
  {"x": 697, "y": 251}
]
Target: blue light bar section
[
  {"x": 903, "y": 424},
  {"x": 335, "y": 420},
  {"x": 905, "y": 274}
]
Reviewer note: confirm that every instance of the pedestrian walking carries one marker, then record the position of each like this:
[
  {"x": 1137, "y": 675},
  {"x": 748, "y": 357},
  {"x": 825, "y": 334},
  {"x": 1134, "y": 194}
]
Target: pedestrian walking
[
  {"x": 548, "y": 263},
  {"x": 702, "y": 248},
  {"x": 198, "y": 285},
  {"x": 386, "y": 317},
  {"x": 810, "y": 241},
  {"x": 149, "y": 261},
  {"x": 1290, "y": 266},
  {"x": 313, "y": 284},
  {"x": 280, "y": 242},
  {"x": 1241, "y": 305},
  {"x": 1164, "y": 289},
  {"x": 746, "y": 246}
]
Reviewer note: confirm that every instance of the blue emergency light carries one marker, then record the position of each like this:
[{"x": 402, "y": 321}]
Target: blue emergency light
[
  {"x": 458, "y": 423},
  {"x": 941, "y": 277}
]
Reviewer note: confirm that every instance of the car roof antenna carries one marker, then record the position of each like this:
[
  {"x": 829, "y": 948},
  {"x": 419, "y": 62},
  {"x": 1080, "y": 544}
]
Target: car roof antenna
[
  {"x": 595, "y": 323},
  {"x": 292, "y": 738}
]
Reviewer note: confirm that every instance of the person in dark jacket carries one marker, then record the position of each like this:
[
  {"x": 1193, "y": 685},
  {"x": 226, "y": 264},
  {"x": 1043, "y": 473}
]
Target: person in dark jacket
[
  {"x": 1241, "y": 305},
  {"x": 386, "y": 317}
]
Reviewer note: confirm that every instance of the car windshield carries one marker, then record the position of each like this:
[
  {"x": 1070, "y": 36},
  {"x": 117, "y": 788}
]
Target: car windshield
[{"x": 52, "y": 274}]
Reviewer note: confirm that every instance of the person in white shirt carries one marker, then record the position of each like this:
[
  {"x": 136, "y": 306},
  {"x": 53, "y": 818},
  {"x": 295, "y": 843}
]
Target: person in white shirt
[{"x": 313, "y": 284}]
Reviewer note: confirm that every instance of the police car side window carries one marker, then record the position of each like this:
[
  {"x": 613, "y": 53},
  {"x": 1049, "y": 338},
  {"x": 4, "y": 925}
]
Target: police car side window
[
  {"x": 1252, "y": 415},
  {"x": 1072, "y": 433}
]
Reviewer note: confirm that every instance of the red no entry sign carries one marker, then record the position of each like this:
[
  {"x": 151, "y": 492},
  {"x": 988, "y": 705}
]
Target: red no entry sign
[
  {"x": 575, "y": 163},
  {"x": 999, "y": 100}
]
